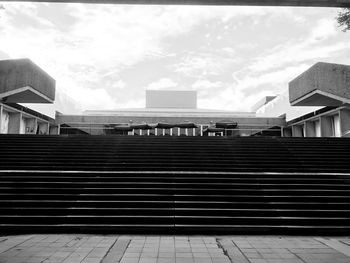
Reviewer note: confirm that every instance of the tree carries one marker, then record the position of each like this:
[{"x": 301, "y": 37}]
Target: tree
[{"x": 343, "y": 19}]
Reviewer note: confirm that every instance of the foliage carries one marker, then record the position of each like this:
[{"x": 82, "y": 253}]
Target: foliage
[{"x": 343, "y": 19}]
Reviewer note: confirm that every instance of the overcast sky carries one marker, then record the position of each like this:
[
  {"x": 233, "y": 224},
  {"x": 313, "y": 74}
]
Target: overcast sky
[{"x": 106, "y": 56}]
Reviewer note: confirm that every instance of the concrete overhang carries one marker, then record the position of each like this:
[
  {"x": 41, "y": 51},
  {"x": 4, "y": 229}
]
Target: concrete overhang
[
  {"x": 21, "y": 81},
  {"x": 316, "y": 3},
  {"x": 324, "y": 84}
]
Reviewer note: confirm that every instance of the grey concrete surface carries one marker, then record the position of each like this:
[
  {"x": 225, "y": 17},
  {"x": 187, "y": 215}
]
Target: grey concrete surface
[{"x": 173, "y": 249}]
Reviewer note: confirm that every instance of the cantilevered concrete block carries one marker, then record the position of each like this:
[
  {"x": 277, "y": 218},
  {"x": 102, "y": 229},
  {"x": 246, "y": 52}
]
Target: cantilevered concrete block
[
  {"x": 324, "y": 84},
  {"x": 21, "y": 81}
]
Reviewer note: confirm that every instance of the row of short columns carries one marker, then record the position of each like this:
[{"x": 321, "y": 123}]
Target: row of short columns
[
  {"x": 16, "y": 122},
  {"x": 335, "y": 125},
  {"x": 172, "y": 131}
]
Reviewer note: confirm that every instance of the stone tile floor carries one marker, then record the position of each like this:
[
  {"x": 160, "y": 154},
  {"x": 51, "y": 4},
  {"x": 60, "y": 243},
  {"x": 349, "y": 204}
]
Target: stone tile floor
[{"x": 172, "y": 249}]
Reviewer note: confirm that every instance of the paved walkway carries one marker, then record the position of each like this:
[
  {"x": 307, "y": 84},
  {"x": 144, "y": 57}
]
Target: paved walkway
[{"x": 172, "y": 249}]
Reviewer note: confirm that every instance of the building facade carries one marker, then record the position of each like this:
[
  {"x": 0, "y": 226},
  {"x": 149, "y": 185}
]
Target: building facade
[
  {"x": 21, "y": 81},
  {"x": 316, "y": 104}
]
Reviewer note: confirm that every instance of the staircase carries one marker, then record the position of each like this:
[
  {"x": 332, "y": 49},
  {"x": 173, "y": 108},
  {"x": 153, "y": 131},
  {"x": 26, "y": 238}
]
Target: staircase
[{"x": 129, "y": 184}]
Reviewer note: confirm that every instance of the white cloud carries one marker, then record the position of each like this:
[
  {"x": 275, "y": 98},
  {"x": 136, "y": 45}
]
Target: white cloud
[
  {"x": 301, "y": 50},
  {"x": 162, "y": 84},
  {"x": 86, "y": 98},
  {"x": 88, "y": 56},
  {"x": 278, "y": 78},
  {"x": 324, "y": 29},
  {"x": 204, "y": 84},
  {"x": 199, "y": 65}
]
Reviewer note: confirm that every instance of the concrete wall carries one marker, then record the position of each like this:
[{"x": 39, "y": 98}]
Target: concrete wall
[
  {"x": 171, "y": 99},
  {"x": 254, "y": 121},
  {"x": 325, "y": 77},
  {"x": 344, "y": 115},
  {"x": 4, "y": 120},
  {"x": 94, "y": 123},
  {"x": 19, "y": 73},
  {"x": 280, "y": 106}
]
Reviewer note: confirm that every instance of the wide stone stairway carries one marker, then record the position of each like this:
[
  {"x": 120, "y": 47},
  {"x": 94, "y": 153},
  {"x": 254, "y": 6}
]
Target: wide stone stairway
[{"x": 134, "y": 184}]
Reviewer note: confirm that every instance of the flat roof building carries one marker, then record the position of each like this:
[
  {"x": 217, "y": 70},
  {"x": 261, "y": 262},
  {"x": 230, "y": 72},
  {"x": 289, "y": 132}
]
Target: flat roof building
[{"x": 316, "y": 105}]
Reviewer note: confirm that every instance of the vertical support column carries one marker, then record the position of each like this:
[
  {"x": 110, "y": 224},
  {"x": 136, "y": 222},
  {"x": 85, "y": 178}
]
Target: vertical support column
[
  {"x": 1, "y": 109},
  {"x": 186, "y": 132},
  {"x": 345, "y": 122},
  {"x": 201, "y": 129},
  {"x": 318, "y": 127},
  {"x": 15, "y": 123},
  {"x": 310, "y": 129},
  {"x": 171, "y": 131},
  {"x": 297, "y": 131},
  {"x": 178, "y": 131},
  {"x": 43, "y": 128},
  {"x": 326, "y": 126},
  {"x": 156, "y": 131},
  {"x": 47, "y": 127},
  {"x": 337, "y": 124}
]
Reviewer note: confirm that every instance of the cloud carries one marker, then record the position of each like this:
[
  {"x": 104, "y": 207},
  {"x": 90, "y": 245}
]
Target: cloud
[
  {"x": 105, "y": 56},
  {"x": 162, "y": 84},
  {"x": 324, "y": 29},
  {"x": 301, "y": 50},
  {"x": 197, "y": 65}
]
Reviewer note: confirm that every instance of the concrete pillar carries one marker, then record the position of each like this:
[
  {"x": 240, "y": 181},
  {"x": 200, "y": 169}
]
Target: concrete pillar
[
  {"x": 318, "y": 127},
  {"x": 43, "y": 127},
  {"x": 15, "y": 123},
  {"x": 1, "y": 108},
  {"x": 336, "y": 125},
  {"x": 345, "y": 122},
  {"x": 326, "y": 126},
  {"x": 297, "y": 131},
  {"x": 310, "y": 130}
]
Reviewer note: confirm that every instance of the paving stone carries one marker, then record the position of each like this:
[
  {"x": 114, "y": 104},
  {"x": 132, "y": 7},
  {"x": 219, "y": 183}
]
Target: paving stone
[
  {"x": 116, "y": 252},
  {"x": 166, "y": 260},
  {"x": 161, "y": 249},
  {"x": 203, "y": 260},
  {"x": 233, "y": 251},
  {"x": 184, "y": 260}
]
